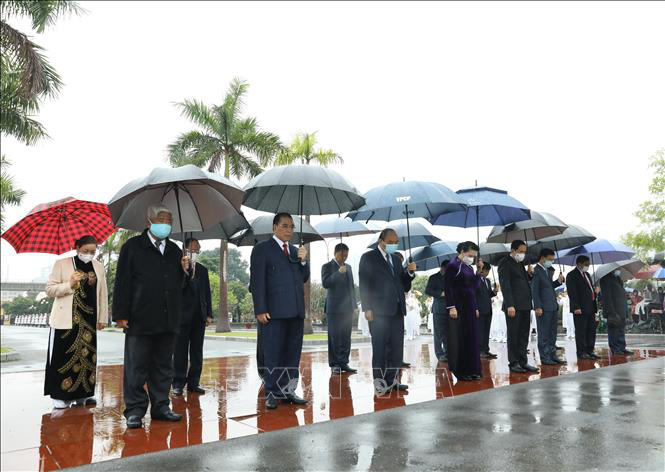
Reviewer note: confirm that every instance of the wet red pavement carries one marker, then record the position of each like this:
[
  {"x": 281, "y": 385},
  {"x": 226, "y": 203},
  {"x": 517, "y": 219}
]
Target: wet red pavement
[{"x": 35, "y": 437}]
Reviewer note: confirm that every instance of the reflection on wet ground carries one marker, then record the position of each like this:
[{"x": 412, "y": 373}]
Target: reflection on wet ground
[{"x": 36, "y": 437}]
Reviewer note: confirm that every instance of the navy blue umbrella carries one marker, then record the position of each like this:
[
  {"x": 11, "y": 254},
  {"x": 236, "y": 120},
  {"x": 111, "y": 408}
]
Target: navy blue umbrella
[
  {"x": 431, "y": 257},
  {"x": 600, "y": 251},
  {"x": 485, "y": 207},
  {"x": 418, "y": 236},
  {"x": 409, "y": 199}
]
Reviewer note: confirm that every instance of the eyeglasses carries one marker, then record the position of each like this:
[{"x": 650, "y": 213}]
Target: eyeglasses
[{"x": 285, "y": 226}]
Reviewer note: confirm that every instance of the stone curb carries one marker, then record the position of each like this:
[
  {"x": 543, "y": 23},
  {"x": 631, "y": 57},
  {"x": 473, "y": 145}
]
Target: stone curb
[{"x": 10, "y": 356}]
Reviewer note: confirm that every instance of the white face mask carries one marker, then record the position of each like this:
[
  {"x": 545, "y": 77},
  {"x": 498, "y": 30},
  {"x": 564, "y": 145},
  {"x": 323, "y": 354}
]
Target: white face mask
[
  {"x": 519, "y": 257},
  {"x": 86, "y": 257},
  {"x": 617, "y": 273},
  {"x": 584, "y": 268},
  {"x": 468, "y": 260}
]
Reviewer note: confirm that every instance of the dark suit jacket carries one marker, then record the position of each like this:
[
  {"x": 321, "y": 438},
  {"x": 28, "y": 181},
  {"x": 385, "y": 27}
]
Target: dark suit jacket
[
  {"x": 614, "y": 297},
  {"x": 542, "y": 290},
  {"x": 580, "y": 292},
  {"x": 196, "y": 300},
  {"x": 484, "y": 296},
  {"x": 148, "y": 287},
  {"x": 434, "y": 289},
  {"x": 514, "y": 281},
  {"x": 380, "y": 290},
  {"x": 277, "y": 283},
  {"x": 341, "y": 295}
]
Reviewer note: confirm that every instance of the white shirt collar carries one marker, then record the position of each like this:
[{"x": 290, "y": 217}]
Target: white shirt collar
[
  {"x": 383, "y": 252},
  {"x": 280, "y": 243},
  {"x": 154, "y": 241}
]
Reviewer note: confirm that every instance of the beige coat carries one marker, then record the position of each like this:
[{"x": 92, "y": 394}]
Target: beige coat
[{"x": 58, "y": 287}]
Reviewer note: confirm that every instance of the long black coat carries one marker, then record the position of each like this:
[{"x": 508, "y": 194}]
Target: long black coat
[
  {"x": 515, "y": 286},
  {"x": 484, "y": 296},
  {"x": 148, "y": 287},
  {"x": 341, "y": 292},
  {"x": 580, "y": 292},
  {"x": 435, "y": 287},
  {"x": 614, "y": 297},
  {"x": 196, "y": 302}
]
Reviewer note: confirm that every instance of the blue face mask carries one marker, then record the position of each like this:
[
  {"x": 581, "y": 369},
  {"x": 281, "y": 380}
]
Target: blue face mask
[
  {"x": 391, "y": 248},
  {"x": 160, "y": 230},
  {"x": 617, "y": 273},
  {"x": 548, "y": 264}
]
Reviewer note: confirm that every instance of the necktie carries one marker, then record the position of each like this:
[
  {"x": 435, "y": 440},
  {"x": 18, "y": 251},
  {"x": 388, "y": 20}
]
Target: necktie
[
  {"x": 392, "y": 269},
  {"x": 286, "y": 249},
  {"x": 158, "y": 245},
  {"x": 593, "y": 294}
]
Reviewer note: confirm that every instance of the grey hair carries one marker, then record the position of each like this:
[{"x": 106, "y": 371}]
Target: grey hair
[{"x": 154, "y": 210}]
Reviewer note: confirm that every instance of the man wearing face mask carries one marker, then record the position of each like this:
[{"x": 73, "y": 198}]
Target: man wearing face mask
[
  {"x": 547, "y": 308},
  {"x": 583, "y": 306},
  {"x": 615, "y": 309},
  {"x": 196, "y": 314},
  {"x": 383, "y": 283},
  {"x": 147, "y": 304},
  {"x": 517, "y": 305}
]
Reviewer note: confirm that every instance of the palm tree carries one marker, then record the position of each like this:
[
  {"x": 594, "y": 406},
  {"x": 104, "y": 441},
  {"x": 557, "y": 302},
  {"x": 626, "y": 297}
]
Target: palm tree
[
  {"x": 225, "y": 141},
  {"x": 8, "y": 194},
  {"x": 302, "y": 150}
]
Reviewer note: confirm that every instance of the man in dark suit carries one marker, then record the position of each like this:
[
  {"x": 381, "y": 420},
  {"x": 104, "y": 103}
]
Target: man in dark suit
[
  {"x": 383, "y": 283},
  {"x": 583, "y": 306},
  {"x": 435, "y": 289},
  {"x": 337, "y": 279},
  {"x": 615, "y": 309},
  {"x": 517, "y": 304},
  {"x": 547, "y": 307},
  {"x": 147, "y": 304},
  {"x": 196, "y": 314},
  {"x": 484, "y": 296},
  {"x": 278, "y": 272}
]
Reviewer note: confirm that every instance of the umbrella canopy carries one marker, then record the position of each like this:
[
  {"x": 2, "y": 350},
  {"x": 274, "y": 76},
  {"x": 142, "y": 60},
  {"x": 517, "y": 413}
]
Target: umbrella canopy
[
  {"x": 219, "y": 231},
  {"x": 540, "y": 225},
  {"x": 420, "y": 236},
  {"x": 600, "y": 251},
  {"x": 431, "y": 257},
  {"x": 198, "y": 200},
  {"x": 342, "y": 227},
  {"x": 54, "y": 227},
  {"x": 629, "y": 269},
  {"x": 494, "y": 252},
  {"x": 659, "y": 257},
  {"x": 261, "y": 230},
  {"x": 573, "y": 236},
  {"x": 655, "y": 272}
]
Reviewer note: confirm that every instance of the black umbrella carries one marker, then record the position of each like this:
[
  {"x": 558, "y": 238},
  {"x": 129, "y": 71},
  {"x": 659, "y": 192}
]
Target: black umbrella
[
  {"x": 261, "y": 230},
  {"x": 572, "y": 236},
  {"x": 302, "y": 190}
]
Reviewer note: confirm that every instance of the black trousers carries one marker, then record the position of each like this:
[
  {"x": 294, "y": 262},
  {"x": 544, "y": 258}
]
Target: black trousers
[
  {"x": 518, "y": 337},
  {"x": 189, "y": 342},
  {"x": 441, "y": 323},
  {"x": 484, "y": 323},
  {"x": 278, "y": 357},
  {"x": 387, "y": 348},
  {"x": 339, "y": 338},
  {"x": 585, "y": 333},
  {"x": 148, "y": 359}
]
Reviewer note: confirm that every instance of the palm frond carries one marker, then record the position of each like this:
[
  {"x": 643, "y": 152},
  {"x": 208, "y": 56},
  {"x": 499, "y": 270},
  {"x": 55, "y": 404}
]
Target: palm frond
[
  {"x": 194, "y": 148},
  {"x": 242, "y": 165},
  {"x": 8, "y": 194},
  {"x": 262, "y": 144},
  {"x": 234, "y": 100},
  {"x": 200, "y": 114},
  {"x": 43, "y": 13}
]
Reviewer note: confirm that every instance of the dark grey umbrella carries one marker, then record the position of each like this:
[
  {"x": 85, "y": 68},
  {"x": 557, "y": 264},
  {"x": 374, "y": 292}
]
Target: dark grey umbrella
[
  {"x": 224, "y": 230},
  {"x": 419, "y": 235},
  {"x": 629, "y": 269},
  {"x": 493, "y": 252},
  {"x": 659, "y": 258},
  {"x": 572, "y": 237},
  {"x": 198, "y": 200},
  {"x": 261, "y": 230},
  {"x": 541, "y": 225},
  {"x": 302, "y": 190},
  {"x": 431, "y": 257}
]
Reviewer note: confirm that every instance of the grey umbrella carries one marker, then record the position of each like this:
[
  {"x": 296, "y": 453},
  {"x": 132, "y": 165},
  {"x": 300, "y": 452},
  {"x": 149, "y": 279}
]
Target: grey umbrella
[
  {"x": 629, "y": 269},
  {"x": 302, "y": 190},
  {"x": 197, "y": 198},
  {"x": 419, "y": 235},
  {"x": 494, "y": 252},
  {"x": 572, "y": 237},
  {"x": 659, "y": 258},
  {"x": 541, "y": 225},
  {"x": 343, "y": 227},
  {"x": 261, "y": 230}
]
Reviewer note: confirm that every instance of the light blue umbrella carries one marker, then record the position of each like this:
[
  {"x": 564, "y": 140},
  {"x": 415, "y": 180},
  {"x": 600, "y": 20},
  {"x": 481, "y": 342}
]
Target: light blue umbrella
[
  {"x": 342, "y": 227},
  {"x": 409, "y": 199},
  {"x": 485, "y": 207},
  {"x": 419, "y": 236},
  {"x": 431, "y": 257}
]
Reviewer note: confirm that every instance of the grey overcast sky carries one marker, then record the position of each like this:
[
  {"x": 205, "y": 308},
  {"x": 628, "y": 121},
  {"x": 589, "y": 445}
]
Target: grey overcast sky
[{"x": 559, "y": 103}]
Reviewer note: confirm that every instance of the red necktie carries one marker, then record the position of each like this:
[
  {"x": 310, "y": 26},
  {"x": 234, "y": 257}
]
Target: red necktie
[{"x": 286, "y": 250}]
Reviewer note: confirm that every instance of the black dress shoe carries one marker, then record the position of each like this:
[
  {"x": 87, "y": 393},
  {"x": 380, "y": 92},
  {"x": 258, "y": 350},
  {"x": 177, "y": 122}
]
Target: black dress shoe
[
  {"x": 271, "y": 402},
  {"x": 294, "y": 399},
  {"x": 134, "y": 422},
  {"x": 547, "y": 362},
  {"x": 491, "y": 355},
  {"x": 177, "y": 391},
  {"x": 406, "y": 364},
  {"x": 561, "y": 361},
  {"x": 585, "y": 356},
  {"x": 626, "y": 352},
  {"x": 476, "y": 376},
  {"x": 336, "y": 370},
  {"x": 167, "y": 415},
  {"x": 443, "y": 359},
  {"x": 195, "y": 389},
  {"x": 559, "y": 348},
  {"x": 402, "y": 387},
  {"x": 593, "y": 355},
  {"x": 530, "y": 368},
  {"x": 517, "y": 369},
  {"x": 465, "y": 378},
  {"x": 347, "y": 368}
]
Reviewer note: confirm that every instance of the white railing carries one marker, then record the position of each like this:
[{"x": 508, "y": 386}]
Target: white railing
[{"x": 38, "y": 321}]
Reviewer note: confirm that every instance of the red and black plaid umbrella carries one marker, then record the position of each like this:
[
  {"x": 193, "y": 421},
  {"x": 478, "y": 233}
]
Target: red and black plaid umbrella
[{"x": 53, "y": 227}]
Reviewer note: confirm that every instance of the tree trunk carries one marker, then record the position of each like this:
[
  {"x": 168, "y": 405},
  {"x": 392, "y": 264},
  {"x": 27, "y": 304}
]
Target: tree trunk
[
  {"x": 223, "y": 324},
  {"x": 308, "y": 288}
]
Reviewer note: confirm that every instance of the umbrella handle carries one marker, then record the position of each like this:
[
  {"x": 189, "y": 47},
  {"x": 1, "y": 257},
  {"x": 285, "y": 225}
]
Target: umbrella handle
[
  {"x": 182, "y": 231},
  {"x": 408, "y": 231},
  {"x": 300, "y": 207}
]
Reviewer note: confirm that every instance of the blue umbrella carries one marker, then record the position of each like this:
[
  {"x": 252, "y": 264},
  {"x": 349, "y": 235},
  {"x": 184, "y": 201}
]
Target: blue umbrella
[
  {"x": 431, "y": 257},
  {"x": 419, "y": 236},
  {"x": 409, "y": 199},
  {"x": 485, "y": 207},
  {"x": 600, "y": 251},
  {"x": 342, "y": 227}
]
